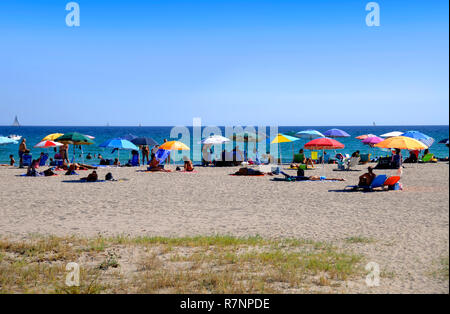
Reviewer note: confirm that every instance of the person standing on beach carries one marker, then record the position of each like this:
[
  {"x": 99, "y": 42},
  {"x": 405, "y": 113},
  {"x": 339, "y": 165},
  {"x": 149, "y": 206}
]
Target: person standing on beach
[
  {"x": 22, "y": 150},
  {"x": 168, "y": 157},
  {"x": 64, "y": 153},
  {"x": 145, "y": 153}
]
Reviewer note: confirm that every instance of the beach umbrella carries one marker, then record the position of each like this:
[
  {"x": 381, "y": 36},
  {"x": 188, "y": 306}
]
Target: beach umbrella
[
  {"x": 324, "y": 144},
  {"x": 284, "y": 138},
  {"x": 392, "y": 134},
  {"x": 74, "y": 138},
  {"x": 47, "y": 144},
  {"x": 144, "y": 141},
  {"x": 129, "y": 137},
  {"x": 309, "y": 134},
  {"x": 248, "y": 136},
  {"x": 364, "y": 136},
  {"x": 174, "y": 145},
  {"x": 214, "y": 140},
  {"x": 427, "y": 140},
  {"x": 119, "y": 144},
  {"x": 333, "y": 133},
  {"x": 52, "y": 137},
  {"x": 401, "y": 142},
  {"x": 6, "y": 140},
  {"x": 372, "y": 140}
]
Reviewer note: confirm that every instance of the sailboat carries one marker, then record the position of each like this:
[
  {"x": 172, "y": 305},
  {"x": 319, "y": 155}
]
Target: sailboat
[{"x": 16, "y": 122}]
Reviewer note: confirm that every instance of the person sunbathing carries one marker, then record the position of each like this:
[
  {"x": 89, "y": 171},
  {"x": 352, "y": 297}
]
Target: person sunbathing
[
  {"x": 367, "y": 178},
  {"x": 92, "y": 177},
  {"x": 312, "y": 178},
  {"x": 71, "y": 170},
  {"x": 303, "y": 160},
  {"x": 188, "y": 166},
  {"x": 248, "y": 172},
  {"x": 155, "y": 166}
]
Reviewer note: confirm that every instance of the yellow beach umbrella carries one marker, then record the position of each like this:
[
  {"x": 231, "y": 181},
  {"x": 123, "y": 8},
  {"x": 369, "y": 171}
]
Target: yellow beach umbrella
[
  {"x": 283, "y": 138},
  {"x": 52, "y": 137},
  {"x": 174, "y": 145},
  {"x": 401, "y": 142}
]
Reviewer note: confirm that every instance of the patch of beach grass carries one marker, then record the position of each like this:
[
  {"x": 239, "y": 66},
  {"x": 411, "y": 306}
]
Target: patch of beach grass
[
  {"x": 359, "y": 239},
  {"x": 201, "y": 264},
  {"x": 442, "y": 272}
]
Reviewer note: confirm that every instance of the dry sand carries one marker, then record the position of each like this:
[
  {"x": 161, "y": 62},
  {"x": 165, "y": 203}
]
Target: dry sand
[{"x": 408, "y": 230}]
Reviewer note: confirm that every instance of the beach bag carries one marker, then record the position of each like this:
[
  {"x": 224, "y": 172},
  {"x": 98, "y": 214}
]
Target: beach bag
[{"x": 109, "y": 176}]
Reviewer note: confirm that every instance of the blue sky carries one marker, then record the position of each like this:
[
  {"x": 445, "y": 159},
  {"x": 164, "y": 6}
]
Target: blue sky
[{"x": 230, "y": 62}]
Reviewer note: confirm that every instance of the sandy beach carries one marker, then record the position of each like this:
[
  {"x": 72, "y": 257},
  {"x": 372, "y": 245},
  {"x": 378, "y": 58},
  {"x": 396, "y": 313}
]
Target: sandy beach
[{"x": 405, "y": 232}]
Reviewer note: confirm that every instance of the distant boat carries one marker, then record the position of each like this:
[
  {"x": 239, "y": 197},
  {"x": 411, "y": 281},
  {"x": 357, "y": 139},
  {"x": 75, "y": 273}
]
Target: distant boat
[
  {"x": 14, "y": 137},
  {"x": 16, "y": 122},
  {"x": 374, "y": 124}
]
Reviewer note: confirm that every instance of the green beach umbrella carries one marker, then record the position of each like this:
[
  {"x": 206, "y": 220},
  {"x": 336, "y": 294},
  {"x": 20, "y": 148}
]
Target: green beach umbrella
[{"x": 74, "y": 138}]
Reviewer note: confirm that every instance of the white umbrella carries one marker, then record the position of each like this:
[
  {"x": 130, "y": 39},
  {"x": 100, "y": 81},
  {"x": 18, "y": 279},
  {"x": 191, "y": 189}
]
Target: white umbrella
[
  {"x": 47, "y": 144},
  {"x": 214, "y": 140},
  {"x": 392, "y": 134}
]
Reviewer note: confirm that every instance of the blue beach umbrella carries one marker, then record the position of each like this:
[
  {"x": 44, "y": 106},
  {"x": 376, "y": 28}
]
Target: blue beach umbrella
[
  {"x": 427, "y": 140},
  {"x": 6, "y": 140},
  {"x": 309, "y": 134},
  {"x": 336, "y": 133},
  {"x": 128, "y": 137},
  {"x": 119, "y": 144}
]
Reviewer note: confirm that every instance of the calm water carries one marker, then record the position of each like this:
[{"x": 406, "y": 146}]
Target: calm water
[{"x": 34, "y": 134}]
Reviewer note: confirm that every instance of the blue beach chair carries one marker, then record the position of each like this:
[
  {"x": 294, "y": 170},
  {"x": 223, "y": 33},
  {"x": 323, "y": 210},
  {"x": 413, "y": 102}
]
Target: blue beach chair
[
  {"x": 135, "y": 161},
  {"x": 43, "y": 160},
  {"x": 378, "y": 182},
  {"x": 161, "y": 155},
  {"x": 26, "y": 160}
]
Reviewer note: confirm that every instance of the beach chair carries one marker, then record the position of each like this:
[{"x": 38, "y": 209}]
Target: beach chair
[
  {"x": 353, "y": 162},
  {"x": 26, "y": 160},
  {"x": 427, "y": 158},
  {"x": 365, "y": 158},
  {"x": 135, "y": 161},
  {"x": 43, "y": 160},
  {"x": 314, "y": 157},
  {"x": 378, "y": 182},
  {"x": 162, "y": 155},
  {"x": 297, "y": 159},
  {"x": 392, "y": 182}
]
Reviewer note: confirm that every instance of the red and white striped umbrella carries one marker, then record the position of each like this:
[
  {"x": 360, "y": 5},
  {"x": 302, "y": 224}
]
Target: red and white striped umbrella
[{"x": 47, "y": 144}]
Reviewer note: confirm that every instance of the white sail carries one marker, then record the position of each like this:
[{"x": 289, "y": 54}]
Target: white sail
[{"x": 16, "y": 122}]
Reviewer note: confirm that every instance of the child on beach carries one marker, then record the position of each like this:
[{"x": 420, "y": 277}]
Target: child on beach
[{"x": 11, "y": 160}]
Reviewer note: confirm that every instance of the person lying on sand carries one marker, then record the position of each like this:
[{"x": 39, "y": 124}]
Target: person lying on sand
[
  {"x": 92, "y": 177},
  {"x": 312, "y": 178},
  {"x": 367, "y": 178},
  {"x": 154, "y": 165},
  {"x": 250, "y": 172}
]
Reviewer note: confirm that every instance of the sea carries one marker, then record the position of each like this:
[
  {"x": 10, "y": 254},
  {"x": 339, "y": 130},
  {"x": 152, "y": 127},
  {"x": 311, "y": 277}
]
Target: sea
[{"x": 34, "y": 134}]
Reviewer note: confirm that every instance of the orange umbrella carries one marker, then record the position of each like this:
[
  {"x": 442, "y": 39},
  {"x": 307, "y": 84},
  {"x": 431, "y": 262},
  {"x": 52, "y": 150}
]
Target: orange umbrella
[
  {"x": 401, "y": 142},
  {"x": 174, "y": 145}
]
